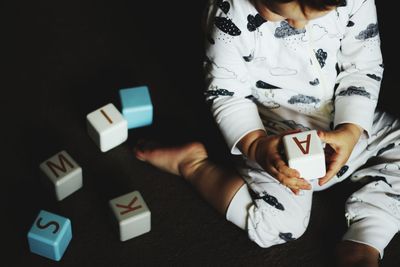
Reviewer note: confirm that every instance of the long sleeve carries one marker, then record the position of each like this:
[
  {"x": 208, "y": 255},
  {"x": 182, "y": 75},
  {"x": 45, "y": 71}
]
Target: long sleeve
[
  {"x": 360, "y": 65},
  {"x": 228, "y": 86}
]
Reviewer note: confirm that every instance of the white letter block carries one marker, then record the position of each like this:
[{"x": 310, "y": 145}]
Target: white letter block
[
  {"x": 132, "y": 214},
  {"x": 64, "y": 174},
  {"x": 305, "y": 154},
  {"x": 107, "y": 127}
]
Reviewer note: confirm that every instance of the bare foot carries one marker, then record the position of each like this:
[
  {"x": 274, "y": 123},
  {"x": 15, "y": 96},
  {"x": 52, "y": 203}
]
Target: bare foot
[
  {"x": 356, "y": 254},
  {"x": 181, "y": 160}
]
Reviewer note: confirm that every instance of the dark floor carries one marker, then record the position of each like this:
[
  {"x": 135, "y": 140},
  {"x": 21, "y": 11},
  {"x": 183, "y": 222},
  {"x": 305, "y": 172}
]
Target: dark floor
[{"x": 64, "y": 59}]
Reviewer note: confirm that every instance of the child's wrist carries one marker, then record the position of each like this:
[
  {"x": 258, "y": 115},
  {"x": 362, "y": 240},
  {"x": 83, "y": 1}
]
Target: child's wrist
[
  {"x": 252, "y": 152},
  {"x": 354, "y": 129},
  {"x": 248, "y": 144}
]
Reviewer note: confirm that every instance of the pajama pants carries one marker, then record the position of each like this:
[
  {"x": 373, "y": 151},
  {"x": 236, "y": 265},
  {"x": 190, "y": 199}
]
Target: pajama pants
[{"x": 272, "y": 214}]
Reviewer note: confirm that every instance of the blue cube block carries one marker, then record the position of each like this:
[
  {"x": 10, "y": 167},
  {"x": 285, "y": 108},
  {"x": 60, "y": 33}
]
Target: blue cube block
[
  {"x": 136, "y": 106},
  {"x": 50, "y": 235}
]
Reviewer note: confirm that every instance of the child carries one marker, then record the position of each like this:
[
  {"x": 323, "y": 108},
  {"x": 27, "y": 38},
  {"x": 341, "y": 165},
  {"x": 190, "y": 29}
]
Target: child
[{"x": 274, "y": 66}]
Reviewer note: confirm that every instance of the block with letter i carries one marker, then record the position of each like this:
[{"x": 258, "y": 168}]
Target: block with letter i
[
  {"x": 107, "y": 127},
  {"x": 304, "y": 152},
  {"x": 136, "y": 105},
  {"x": 132, "y": 214},
  {"x": 50, "y": 235},
  {"x": 63, "y": 173}
]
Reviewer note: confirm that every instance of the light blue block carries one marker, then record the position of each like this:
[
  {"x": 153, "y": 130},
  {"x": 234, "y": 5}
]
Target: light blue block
[
  {"x": 50, "y": 235},
  {"x": 137, "y": 108}
]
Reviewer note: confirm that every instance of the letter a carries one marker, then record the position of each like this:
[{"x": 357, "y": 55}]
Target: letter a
[{"x": 299, "y": 144}]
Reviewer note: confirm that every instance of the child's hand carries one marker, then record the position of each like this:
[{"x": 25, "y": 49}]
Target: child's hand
[
  {"x": 268, "y": 154},
  {"x": 340, "y": 144}
]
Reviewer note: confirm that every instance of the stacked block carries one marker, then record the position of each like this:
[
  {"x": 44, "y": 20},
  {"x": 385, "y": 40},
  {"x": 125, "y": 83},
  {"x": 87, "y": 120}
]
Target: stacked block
[
  {"x": 137, "y": 108},
  {"x": 63, "y": 173},
  {"x": 50, "y": 235},
  {"x": 304, "y": 152},
  {"x": 107, "y": 127},
  {"x": 132, "y": 214}
]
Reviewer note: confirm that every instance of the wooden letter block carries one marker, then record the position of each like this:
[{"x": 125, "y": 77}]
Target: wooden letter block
[
  {"x": 50, "y": 235},
  {"x": 132, "y": 214},
  {"x": 304, "y": 152},
  {"x": 64, "y": 174},
  {"x": 107, "y": 127},
  {"x": 137, "y": 108}
]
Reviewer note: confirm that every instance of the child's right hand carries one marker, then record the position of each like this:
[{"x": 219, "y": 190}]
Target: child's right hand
[{"x": 267, "y": 152}]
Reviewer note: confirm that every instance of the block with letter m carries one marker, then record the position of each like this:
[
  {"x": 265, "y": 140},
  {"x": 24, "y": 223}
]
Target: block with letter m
[{"x": 63, "y": 174}]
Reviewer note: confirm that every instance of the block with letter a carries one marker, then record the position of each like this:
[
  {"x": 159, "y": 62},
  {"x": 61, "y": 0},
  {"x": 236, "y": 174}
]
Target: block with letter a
[
  {"x": 304, "y": 152},
  {"x": 132, "y": 215},
  {"x": 63, "y": 173}
]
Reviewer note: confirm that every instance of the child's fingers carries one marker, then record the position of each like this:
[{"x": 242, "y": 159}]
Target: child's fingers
[
  {"x": 298, "y": 183},
  {"x": 333, "y": 168},
  {"x": 295, "y": 191},
  {"x": 285, "y": 170},
  {"x": 287, "y": 176},
  {"x": 327, "y": 137},
  {"x": 281, "y": 167},
  {"x": 291, "y": 182}
]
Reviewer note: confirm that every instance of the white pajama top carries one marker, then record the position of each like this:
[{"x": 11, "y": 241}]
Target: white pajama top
[{"x": 259, "y": 71}]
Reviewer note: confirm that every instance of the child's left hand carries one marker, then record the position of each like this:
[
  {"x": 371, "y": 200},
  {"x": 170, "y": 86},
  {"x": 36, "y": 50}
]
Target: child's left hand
[{"x": 340, "y": 143}]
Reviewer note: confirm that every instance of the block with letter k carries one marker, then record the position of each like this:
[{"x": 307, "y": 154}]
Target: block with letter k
[{"x": 132, "y": 215}]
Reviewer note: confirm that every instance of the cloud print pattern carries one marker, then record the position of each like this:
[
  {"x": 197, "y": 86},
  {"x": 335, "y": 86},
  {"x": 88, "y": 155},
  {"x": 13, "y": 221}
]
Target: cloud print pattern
[
  {"x": 254, "y": 49},
  {"x": 261, "y": 74}
]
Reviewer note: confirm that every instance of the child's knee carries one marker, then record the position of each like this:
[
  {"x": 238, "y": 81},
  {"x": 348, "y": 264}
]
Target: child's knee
[
  {"x": 272, "y": 229},
  {"x": 298, "y": 225}
]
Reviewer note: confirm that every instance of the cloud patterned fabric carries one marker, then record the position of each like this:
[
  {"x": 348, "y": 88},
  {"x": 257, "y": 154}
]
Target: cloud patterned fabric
[
  {"x": 375, "y": 77},
  {"x": 254, "y": 22},
  {"x": 386, "y": 148},
  {"x": 227, "y": 26},
  {"x": 218, "y": 92},
  {"x": 269, "y": 63},
  {"x": 249, "y": 58},
  {"x": 303, "y": 99},
  {"x": 370, "y": 32},
  {"x": 224, "y": 6},
  {"x": 285, "y": 30},
  {"x": 354, "y": 90},
  {"x": 394, "y": 196},
  {"x": 390, "y": 169},
  {"x": 376, "y": 178},
  {"x": 271, "y": 200},
  {"x": 315, "y": 82},
  {"x": 264, "y": 85},
  {"x": 279, "y": 71},
  {"x": 294, "y": 125},
  {"x": 219, "y": 72},
  {"x": 342, "y": 171},
  {"x": 287, "y": 236},
  {"x": 321, "y": 57}
]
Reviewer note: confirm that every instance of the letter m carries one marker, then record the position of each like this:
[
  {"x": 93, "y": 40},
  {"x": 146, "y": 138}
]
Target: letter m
[{"x": 62, "y": 160}]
